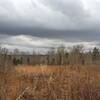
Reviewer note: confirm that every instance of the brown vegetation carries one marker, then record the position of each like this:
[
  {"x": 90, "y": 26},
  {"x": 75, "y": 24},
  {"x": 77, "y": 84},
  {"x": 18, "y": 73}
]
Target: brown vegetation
[
  {"x": 51, "y": 83},
  {"x": 57, "y": 75}
]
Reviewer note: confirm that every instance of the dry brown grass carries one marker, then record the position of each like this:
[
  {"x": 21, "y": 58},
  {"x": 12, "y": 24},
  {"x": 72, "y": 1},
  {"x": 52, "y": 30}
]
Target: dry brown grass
[{"x": 51, "y": 83}]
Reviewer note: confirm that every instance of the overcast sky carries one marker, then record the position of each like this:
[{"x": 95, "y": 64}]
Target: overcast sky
[{"x": 40, "y": 24}]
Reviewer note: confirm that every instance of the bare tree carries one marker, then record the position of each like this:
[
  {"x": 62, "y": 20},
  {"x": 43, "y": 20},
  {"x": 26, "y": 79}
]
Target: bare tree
[
  {"x": 76, "y": 55},
  {"x": 95, "y": 56}
]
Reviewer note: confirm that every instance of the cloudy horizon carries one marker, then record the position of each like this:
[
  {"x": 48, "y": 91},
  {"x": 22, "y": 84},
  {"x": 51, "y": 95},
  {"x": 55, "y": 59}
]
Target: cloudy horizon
[{"x": 41, "y": 24}]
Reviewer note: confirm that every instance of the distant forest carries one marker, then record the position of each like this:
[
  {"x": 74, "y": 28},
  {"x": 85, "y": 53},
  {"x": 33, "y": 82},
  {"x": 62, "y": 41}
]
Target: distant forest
[{"x": 55, "y": 56}]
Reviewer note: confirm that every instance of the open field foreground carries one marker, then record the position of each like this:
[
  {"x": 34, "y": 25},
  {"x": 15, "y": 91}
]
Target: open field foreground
[{"x": 51, "y": 83}]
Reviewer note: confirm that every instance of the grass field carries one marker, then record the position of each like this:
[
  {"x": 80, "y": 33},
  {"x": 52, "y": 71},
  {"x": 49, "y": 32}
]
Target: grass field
[{"x": 51, "y": 83}]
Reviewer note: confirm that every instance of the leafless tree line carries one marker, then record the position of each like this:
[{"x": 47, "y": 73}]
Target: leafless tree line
[
  {"x": 76, "y": 55},
  {"x": 55, "y": 56}
]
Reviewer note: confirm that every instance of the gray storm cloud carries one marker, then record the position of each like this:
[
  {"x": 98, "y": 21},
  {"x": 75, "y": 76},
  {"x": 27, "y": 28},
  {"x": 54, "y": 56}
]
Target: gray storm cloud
[
  {"x": 63, "y": 20},
  {"x": 50, "y": 14}
]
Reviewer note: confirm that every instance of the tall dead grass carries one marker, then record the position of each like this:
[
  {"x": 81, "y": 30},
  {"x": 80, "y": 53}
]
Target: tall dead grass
[{"x": 67, "y": 83}]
